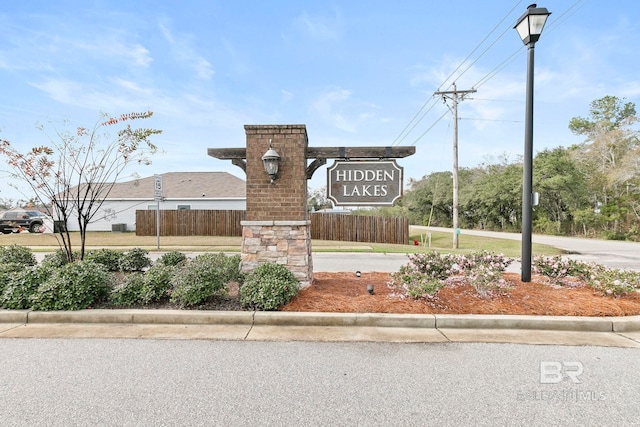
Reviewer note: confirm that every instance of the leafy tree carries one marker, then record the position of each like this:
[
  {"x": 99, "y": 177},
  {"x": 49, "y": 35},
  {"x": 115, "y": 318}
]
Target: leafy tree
[
  {"x": 561, "y": 185},
  {"x": 609, "y": 112},
  {"x": 609, "y": 159},
  {"x": 494, "y": 198},
  {"x": 76, "y": 172},
  {"x": 429, "y": 201}
]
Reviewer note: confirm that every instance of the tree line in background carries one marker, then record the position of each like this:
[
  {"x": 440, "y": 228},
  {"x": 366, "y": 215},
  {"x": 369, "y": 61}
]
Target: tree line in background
[{"x": 588, "y": 189}]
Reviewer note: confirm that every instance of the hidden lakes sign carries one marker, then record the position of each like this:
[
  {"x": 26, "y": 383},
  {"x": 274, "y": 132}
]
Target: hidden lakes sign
[{"x": 364, "y": 183}]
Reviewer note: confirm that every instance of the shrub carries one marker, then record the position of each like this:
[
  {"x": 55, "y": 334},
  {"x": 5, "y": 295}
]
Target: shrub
[
  {"x": 486, "y": 278},
  {"x": 615, "y": 282},
  {"x": 136, "y": 259},
  {"x": 609, "y": 281},
  {"x": 172, "y": 258},
  {"x": 74, "y": 286},
  {"x": 108, "y": 258},
  {"x": 17, "y": 254},
  {"x": 157, "y": 282},
  {"x": 433, "y": 264},
  {"x": 58, "y": 258},
  {"x": 488, "y": 259},
  {"x": 22, "y": 285},
  {"x": 203, "y": 277},
  {"x": 555, "y": 268},
  {"x": 129, "y": 291},
  {"x": 268, "y": 287},
  {"x": 6, "y": 271},
  {"x": 425, "y": 273},
  {"x": 425, "y": 288},
  {"x": 410, "y": 281}
]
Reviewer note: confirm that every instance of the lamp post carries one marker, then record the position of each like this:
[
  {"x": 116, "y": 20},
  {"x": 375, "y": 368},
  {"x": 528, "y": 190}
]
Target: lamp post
[{"x": 529, "y": 27}]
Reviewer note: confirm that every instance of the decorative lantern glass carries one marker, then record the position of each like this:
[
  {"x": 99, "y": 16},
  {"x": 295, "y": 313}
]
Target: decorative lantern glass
[{"x": 270, "y": 161}]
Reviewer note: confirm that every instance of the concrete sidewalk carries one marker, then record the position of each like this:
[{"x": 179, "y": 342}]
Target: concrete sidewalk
[{"x": 297, "y": 326}]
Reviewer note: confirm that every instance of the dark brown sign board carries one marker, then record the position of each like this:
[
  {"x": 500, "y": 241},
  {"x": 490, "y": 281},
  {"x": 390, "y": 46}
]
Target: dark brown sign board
[{"x": 364, "y": 183}]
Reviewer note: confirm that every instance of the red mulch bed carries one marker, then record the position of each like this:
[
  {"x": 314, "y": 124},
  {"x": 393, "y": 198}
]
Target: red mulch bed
[{"x": 344, "y": 292}]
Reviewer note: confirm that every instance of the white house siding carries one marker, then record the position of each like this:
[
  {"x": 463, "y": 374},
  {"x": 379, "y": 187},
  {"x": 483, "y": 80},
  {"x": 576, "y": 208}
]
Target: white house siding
[{"x": 123, "y": 211}]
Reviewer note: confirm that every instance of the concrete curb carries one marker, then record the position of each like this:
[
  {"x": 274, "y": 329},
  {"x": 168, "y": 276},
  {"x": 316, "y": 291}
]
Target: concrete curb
[
  {"x": 626, "y": 324},
  {"x": 549, "y": 323},
  {"x": 278, "y": 318}
]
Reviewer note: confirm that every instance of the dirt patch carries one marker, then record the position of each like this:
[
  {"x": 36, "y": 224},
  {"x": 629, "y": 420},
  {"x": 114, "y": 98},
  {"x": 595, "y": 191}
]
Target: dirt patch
[{"x": 346, "y": 293}]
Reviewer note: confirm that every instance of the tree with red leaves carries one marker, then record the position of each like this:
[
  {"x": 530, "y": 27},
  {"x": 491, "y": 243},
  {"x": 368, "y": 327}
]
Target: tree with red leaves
[{"x": 77, "y": 171}]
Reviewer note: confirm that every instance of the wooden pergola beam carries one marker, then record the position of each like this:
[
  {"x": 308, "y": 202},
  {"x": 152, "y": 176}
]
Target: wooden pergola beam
[
  {"x": 320, "y": 155},
  {"x": 360, "y": 152},
  {"x": 228, "y": 153}
]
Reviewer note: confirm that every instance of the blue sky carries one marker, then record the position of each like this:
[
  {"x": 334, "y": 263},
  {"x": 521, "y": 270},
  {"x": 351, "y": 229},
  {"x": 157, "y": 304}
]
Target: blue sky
[{"x": 354, "y": 72}]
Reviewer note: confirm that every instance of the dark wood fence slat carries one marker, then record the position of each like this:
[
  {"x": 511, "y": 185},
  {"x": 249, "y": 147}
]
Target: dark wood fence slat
[{"x": 351, "y": 228}]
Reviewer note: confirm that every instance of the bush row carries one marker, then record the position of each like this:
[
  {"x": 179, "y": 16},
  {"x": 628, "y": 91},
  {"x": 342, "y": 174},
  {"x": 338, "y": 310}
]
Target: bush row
[
  {"x": 426, "y": 273},
  {"x": 125, "y": 279}
]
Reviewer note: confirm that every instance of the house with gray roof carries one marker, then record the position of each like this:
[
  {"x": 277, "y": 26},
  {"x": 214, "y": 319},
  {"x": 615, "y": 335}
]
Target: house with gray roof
[{"x": 180, "y": 190}]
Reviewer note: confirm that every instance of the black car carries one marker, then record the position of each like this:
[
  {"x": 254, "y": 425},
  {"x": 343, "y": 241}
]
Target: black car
[{"x": 15, "y": 220}]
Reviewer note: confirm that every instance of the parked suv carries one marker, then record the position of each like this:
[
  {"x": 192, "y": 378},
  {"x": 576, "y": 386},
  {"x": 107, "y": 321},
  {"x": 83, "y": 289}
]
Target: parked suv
[{"x": 14, "y": 220}]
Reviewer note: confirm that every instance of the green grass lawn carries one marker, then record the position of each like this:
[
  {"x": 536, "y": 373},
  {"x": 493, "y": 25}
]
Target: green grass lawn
[{"x": 441, "y": 242}]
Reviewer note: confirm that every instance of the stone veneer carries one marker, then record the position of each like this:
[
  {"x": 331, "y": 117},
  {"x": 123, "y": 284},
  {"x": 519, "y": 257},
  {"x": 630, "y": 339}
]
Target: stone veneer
[{"x": 280, "y": 242}]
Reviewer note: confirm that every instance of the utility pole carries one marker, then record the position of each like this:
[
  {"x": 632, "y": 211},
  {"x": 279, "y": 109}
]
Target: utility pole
[{"x": 456, "y": 96}]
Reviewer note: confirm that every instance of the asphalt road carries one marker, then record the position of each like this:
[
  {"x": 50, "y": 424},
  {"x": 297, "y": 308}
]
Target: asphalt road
[{"x": 195, "y": 383}]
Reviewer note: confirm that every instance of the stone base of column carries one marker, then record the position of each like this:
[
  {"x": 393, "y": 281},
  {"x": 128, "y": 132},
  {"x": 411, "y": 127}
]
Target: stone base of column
[{"x": 280, "y": 242}]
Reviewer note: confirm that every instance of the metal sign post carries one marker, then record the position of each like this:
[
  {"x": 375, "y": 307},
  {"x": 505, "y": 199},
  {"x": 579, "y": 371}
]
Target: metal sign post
[{"x": 157, "y": 196}]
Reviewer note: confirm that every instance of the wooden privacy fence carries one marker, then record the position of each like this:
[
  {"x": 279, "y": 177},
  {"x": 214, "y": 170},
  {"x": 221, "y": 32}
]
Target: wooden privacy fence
[
  {"x": 190, "y": 222},
  {"x": 355, "y": 228},
  {"x": 349, "y": 228}
]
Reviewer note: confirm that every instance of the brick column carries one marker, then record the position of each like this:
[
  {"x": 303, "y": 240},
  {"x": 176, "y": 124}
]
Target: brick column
[{"x": 277, "y": 227}]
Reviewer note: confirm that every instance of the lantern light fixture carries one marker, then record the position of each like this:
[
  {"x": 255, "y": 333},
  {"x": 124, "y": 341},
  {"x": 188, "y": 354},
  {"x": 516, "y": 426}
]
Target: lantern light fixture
[
  {"x": 270, "y": 160},
  {"x": 531, "y": 23}
]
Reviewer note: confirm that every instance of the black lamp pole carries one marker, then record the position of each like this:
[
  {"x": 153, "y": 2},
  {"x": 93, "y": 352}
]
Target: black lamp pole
[
  {"x": 527, "y": 174},
  {"x": 529, "y": 27}
]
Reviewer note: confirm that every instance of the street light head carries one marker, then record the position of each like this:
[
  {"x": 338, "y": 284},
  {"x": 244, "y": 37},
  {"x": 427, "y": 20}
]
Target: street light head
[{"x": 531, "y": 23}]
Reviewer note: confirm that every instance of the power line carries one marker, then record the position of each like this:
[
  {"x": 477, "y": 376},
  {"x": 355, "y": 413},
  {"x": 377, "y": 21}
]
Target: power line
[
  {"x": 429, "y": 128},
  {"x": 478, "y": 46},
  {"x": 513, "y": 56},
  {"x": 419, "y": 116},
  {"x": 400, "y": 136}
]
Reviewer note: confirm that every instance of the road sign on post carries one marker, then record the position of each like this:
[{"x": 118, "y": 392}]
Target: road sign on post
[
  {"x": 157, "y": 195},
  {"x": 157, "y": 187}
]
